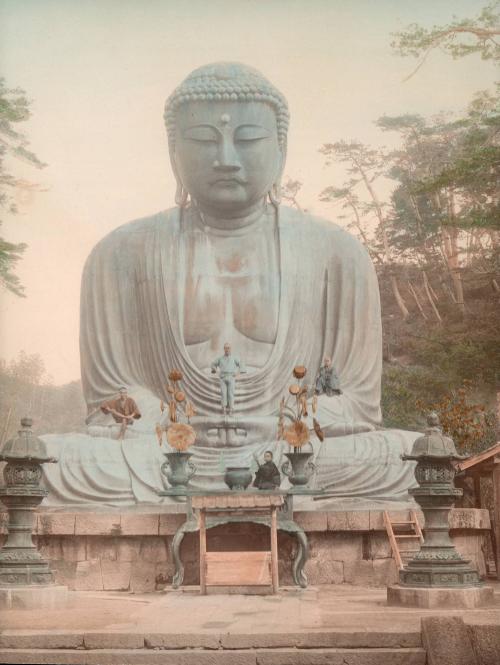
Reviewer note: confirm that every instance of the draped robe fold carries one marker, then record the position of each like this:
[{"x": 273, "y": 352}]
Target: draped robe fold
[{"x": 132, "y": 309}]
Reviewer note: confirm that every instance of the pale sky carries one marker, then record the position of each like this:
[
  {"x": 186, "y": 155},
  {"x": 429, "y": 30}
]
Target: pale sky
[{"x": 99, "y": 71}]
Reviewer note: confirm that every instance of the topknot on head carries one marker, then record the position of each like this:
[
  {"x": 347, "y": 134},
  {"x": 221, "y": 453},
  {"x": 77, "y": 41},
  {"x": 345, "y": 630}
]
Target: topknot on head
[{"x": 227, "y": 81}]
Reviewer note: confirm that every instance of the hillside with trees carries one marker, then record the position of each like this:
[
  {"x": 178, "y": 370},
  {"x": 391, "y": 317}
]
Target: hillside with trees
[
  {"x": 435, "y": 242},
  {"x": 27, "y": 390}
]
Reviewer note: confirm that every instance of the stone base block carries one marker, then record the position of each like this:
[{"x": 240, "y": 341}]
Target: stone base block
[
  {"x": 131, "y": 550},
  {"x": 51, "y": 597},
  {"x": 466, "y": 597}
]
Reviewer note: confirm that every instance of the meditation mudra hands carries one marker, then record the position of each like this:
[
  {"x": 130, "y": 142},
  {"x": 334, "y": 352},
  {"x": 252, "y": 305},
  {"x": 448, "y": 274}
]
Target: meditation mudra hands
[{"x": 215, "y": 431}]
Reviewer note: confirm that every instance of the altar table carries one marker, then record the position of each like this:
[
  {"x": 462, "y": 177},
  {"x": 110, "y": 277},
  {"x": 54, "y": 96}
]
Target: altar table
[{"x": 206, "y": 510}]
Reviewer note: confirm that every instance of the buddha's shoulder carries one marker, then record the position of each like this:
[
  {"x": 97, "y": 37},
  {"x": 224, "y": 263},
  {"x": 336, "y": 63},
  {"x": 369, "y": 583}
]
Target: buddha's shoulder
[
  {"x": 320, "y": 234},
  {"x": 134, "y": 233},
  {"x": 142, "y": 225}
]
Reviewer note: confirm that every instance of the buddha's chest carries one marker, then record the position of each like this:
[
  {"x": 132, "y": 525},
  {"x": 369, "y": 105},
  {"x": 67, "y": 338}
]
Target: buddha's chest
[{"x": 232, "y": 288}]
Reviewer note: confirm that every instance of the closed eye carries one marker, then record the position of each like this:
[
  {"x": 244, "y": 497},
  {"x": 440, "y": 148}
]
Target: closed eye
[
  {"x": 246, "y": 133},
  {"x": 201, "y": 134}
]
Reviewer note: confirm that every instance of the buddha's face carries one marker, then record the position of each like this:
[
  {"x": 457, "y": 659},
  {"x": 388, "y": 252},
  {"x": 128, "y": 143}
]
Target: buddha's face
[{"x": 227, "y": 153}]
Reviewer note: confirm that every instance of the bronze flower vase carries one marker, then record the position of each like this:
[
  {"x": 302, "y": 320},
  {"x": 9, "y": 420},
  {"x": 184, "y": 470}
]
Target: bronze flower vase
[
  {"x": 178, "y": 470},
  {"x": 299, "y": 468}
]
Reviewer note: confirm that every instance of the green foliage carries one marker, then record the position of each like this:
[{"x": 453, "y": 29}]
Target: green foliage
[
  {"x": 460, "y": 357},
  {"x": 429, "y": 364},
  {"x": 435, "y": 243},
  {"x": 290, "y": 190},
  {"x": 14, "y": 108},
  {"x": 471, "y": 426},
  {"x": 9, "y": 256},
  {"x": 401, "y": 390},
  {"x": 469, "y": 164},
  {"x": 444, "y": 163},
  {"x": 459, "y": 38},
  {"x": 356, "y": 155},
  {"x": 408, "y": 393},
  {"x": 440, "y": 224},
  {"x": 27, "y": 390}
]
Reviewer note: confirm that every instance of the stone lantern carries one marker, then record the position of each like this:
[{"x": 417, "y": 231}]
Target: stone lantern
[
  {"x": 22, "y": 567},
  {"x": 437, "y": 575}
]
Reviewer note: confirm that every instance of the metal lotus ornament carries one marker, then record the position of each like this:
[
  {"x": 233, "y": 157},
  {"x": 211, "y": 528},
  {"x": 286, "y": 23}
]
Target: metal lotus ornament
[
  {"x": 180, "y": 436},
  {"x": 295, "y": 408}
]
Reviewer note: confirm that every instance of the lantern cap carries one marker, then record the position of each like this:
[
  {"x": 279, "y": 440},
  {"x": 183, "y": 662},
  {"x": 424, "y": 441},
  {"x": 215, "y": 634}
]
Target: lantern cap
[
  {"x": 25, "y": 446},
  {"x": 434, "y": 443}
]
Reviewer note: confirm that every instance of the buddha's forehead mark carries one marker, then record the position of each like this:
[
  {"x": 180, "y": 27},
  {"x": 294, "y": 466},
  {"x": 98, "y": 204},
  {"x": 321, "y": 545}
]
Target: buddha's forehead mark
[{"x": 225, "y": 118}]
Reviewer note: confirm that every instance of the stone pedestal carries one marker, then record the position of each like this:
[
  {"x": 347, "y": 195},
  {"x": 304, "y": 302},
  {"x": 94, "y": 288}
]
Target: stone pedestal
[
  {"x": 439, "y": 597},
  {"x": 20, "y": 562}
]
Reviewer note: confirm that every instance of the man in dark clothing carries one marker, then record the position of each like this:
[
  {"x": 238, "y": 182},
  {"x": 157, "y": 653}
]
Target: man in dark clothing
[
  {"x": 267, "y": 476},
  {"x": 327, "y": 381}
]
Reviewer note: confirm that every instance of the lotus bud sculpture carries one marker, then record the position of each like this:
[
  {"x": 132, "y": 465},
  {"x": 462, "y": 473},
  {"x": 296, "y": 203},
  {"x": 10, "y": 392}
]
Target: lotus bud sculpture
[
  {"x": 179, "y": 433},
  {"x": 295, "y": 408}
]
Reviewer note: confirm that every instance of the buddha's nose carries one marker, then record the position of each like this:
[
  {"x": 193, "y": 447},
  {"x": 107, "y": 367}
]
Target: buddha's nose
[{"x": 227, "y": 157}]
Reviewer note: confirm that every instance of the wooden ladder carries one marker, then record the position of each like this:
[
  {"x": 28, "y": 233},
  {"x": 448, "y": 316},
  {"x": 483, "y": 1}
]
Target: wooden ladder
[{"x": 406, "y": 532}]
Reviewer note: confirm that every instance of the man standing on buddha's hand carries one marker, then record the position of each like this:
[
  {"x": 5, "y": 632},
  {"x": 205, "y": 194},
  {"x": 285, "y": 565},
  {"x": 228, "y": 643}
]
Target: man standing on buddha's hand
[
  {"x": 229, "y": 367},
  {"x": 123, "y": 409}
]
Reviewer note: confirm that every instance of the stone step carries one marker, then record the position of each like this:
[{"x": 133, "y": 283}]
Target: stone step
[
  {"x": 282, "y": 656},
  {"x": 353, "y": 647},
  {"x": 13, "y": 640}
]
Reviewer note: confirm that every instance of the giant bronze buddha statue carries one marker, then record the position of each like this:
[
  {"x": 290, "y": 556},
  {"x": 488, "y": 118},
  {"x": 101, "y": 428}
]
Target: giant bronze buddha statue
[{"x": 229, "y": 263}]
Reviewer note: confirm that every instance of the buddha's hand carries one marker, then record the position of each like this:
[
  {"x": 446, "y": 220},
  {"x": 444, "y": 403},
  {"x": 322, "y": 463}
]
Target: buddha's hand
[
  {"x": 233, "y": 432},
  {"x": 346, "y": 429}
]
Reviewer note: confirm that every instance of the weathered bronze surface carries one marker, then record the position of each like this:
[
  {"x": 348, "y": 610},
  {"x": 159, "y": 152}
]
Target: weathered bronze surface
[
  {"x": 285, "y": 523},
  {"x": 178, "y": 469},
  {"x": 20, "y": 562},
  {"x": 437, "y": 564},
  {"x": 230, "y": 263}
]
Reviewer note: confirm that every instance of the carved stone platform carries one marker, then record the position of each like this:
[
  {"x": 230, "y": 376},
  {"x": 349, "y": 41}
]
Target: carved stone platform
[{"x": 130, "y": 549}]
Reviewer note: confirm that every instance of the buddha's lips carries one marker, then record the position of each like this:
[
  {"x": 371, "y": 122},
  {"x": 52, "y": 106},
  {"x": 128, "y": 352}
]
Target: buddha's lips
[{"x": 229, "y": 181}]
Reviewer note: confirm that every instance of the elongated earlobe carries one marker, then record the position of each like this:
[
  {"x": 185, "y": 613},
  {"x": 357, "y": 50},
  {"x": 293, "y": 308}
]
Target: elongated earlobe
[
  {"x": 275, "y": 191},
  {"x": 275, "y": 194},
  {"x": 181, "y": 195}
]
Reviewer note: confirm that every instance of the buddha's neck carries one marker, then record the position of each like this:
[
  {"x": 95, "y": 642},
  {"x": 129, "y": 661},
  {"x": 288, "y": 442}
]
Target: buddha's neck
[{"x": 236, "y": 221}]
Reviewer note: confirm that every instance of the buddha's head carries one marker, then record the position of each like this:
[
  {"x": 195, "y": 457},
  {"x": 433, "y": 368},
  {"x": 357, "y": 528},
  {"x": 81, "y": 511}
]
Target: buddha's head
[{"x": 227, "y": 130}]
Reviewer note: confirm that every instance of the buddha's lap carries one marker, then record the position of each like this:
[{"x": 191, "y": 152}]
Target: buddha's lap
[{"x": 95, "y": 470}]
